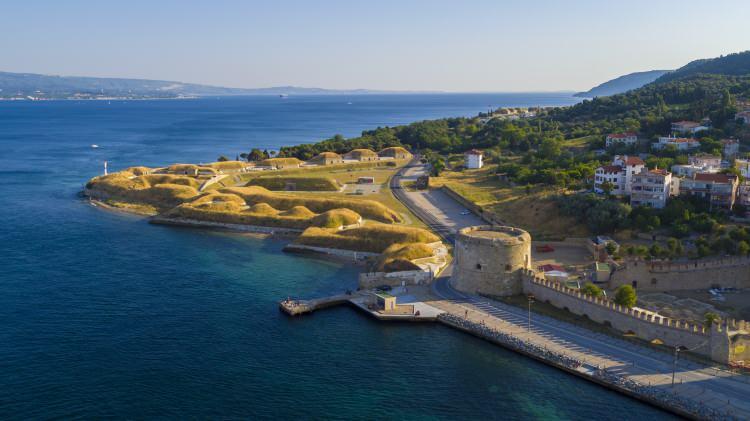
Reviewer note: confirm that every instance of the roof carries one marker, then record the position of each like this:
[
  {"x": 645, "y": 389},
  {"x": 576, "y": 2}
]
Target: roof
[
  {"x": 686, "y": 123},
  {"x": 473, "y": 152},
  {"x": 602, "y": 266},
  {"x": 611, "y": 169},
  {"x": 715, "y": 178},
  {"x": 551, "y": 267},
  {"x": 621, "y": 135},
  {"x": 678, "y": 139},
  {"x": 729, "y": 141},
  {"x": 658, "y": 171},
  {"x": 630, "y": 160}
]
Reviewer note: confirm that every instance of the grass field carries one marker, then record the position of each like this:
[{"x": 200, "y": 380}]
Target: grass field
[{"x": 534, "y": 211}]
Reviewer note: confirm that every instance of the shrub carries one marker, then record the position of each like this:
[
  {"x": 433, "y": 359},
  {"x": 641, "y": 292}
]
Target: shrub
[
  {"x": 625, "y": 296},
  {"x": 590, "y": 289}
]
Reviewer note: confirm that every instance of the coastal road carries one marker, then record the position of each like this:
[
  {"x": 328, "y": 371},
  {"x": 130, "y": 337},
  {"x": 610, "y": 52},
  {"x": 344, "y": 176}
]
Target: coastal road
[{"x": 719, "y": 389}]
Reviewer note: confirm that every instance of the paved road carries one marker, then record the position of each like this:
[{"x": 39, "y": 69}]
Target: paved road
[{"x": 719, "y": 389}]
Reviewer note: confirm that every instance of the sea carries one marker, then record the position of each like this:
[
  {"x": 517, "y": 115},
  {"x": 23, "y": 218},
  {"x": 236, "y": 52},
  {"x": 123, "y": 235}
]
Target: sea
[{"x": 105, "y": 316}]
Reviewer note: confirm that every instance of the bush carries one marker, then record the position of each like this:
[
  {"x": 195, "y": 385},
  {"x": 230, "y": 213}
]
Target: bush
[
  {"x": 590, "y": 289},
  {"x": 625, "y": 296}
]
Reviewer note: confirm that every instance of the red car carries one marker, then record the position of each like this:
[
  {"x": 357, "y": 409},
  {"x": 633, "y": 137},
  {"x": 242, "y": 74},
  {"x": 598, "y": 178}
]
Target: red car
[{"x": 545, "y": 248}]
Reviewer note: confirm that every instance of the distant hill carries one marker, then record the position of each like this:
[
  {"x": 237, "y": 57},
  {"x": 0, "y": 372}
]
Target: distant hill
[
  {"x": 623, "y": 84},
  {"x": 736, "y": 64},
  {"x": 37, "y": 86}
]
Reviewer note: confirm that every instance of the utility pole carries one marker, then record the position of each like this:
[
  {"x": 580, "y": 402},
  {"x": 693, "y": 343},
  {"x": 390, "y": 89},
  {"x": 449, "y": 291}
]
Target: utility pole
[{"x": 530, "y": 298}]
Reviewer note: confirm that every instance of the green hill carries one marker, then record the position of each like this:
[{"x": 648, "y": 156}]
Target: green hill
[{"x": 736, "y": 64}]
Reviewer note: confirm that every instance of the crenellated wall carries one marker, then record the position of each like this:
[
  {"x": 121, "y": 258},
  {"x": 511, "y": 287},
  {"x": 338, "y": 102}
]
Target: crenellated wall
[
  {"x": 719, "y": 343},
  {"x": 653, "y": 276}
]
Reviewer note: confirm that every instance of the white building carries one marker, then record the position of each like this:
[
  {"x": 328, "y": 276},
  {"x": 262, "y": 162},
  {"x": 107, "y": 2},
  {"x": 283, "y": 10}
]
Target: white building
[
  {"x": 681, "y": 143},
  {"x": 706, "y": 161},
  {"x": 651, "y": 188},
  {"x": 744, "y": 166},
  {"x": 730, "y": 147},
  {"x": 628, "y": 139},
  {"x": 688, "y": 127},
  {"x": 473, "y": 159},
  {"x": 619, "y": 175},
  {"x": 687, "y": 170}
]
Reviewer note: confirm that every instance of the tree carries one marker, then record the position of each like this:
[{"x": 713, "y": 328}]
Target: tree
[
  {"x": 223, "y": 159},
  {"x": 257, "y": 155},
  {"x": 611, "y": 248},
  {"x": 625, "y": 296},
  {"x": 709, "y": 319},
  {"x": 743, "y": 248},
  {"x": 590, "y": 289}
]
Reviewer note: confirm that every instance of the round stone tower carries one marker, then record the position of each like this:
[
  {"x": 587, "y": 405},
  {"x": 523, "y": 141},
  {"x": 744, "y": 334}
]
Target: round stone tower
[{"x": 488, "y": 260}]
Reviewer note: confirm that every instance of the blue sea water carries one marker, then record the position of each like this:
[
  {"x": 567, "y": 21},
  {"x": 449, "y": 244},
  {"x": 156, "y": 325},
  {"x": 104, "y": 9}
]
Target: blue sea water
[{"x": 103, "y": 315}]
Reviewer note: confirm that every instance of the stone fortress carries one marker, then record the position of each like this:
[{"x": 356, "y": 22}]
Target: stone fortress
[{"x": 496, "y": 261}]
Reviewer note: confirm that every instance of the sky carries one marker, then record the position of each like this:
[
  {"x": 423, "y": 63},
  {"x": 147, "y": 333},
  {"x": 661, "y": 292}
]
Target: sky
[{"x": 458, "y": 46}]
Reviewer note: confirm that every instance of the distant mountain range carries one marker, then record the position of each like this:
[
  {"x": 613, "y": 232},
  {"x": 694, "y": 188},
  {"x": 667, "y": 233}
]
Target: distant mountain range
[
  {"x": 37, "y": 86},
  {"x": 623, "y": 84}
]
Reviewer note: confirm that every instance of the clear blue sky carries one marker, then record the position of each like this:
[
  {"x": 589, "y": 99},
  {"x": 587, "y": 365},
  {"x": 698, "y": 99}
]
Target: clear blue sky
[{"x": 407, "y": 45}]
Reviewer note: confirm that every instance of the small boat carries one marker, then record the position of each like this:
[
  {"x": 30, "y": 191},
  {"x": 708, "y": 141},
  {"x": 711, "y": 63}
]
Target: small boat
[
  {"x": 283, "y": 95},
  {"x": 94, "y": 146}
]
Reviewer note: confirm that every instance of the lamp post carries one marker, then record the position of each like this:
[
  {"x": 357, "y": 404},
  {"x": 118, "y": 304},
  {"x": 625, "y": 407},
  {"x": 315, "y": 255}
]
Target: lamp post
[
  {"x": 674, "y": 363},
  {"x": 530, "y": 298}
]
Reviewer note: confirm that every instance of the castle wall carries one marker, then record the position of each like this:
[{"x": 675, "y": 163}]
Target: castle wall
[
  {"x": 733, "y": 272},
  {"x": 490, "y": 265},
  {"x": 712, "y": 343}
]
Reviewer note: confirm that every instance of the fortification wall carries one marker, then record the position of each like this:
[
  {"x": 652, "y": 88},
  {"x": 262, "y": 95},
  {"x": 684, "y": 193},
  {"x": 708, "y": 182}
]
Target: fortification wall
[
  {"x": 713, "y": 343},
  {"x": 730, "y": 272},
  {"x": 370, "y": 280},
  {"x": 488, "y": 260}
]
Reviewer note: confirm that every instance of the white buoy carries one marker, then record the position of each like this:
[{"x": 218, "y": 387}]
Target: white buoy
[{"x": 105, "y": 167}]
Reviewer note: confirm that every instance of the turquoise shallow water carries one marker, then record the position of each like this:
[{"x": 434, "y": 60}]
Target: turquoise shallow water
[{"x": 102, "y": 314}]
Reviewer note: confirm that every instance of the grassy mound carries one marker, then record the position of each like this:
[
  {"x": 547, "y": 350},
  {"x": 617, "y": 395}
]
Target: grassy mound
[
  {"x": 231, "y": 209},
  {"x": 229, "y": 165},
  {"x": 335, "y": 218},
  {"x": 298, "y": 212},
  {"x": 280, "y": 162},
  {"x": 298, "y": 183},
  {"x": 398, "y": 257},
  {"x": 263, "y": 209},
  {"x": 361, "y": 154},
  {"x": 372, "y": 237},
  {"x": 139, "y": 170},
  {"x": 396, "y": 152},
  {"x": 160, "y": 191},
  {"x": 367, "y": 208},
  {"x": 182, "y": 168}
]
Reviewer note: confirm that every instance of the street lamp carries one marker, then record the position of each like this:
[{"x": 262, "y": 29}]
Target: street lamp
[
  {"x": 674, "y": 362},
  {"x": 530, "y": 298}
]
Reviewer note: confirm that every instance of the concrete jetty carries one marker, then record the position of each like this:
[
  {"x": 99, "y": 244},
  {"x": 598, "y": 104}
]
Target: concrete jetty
[{"x": 297, "y": 307}]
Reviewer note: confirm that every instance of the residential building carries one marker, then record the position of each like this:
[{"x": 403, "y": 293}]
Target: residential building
[
  {"x": 704, "y": 160},
  {"x": 730, "y": 148},
  {"x": 687, "y": 170},
  {"x": 744, "y": 116},
  {"x": 744, "y": 166},
  {"x": 628, "y": 139},
  {"x": 619, "y": 175},
  {"x": 719, "y": 189},
  {"x": 688, "y": 127},
  {"x": 680, "y": 143},
  {"x": 743, "y": 194},
  {"x": 651, "y": 188},
  {"x": 473, "y": 159}
]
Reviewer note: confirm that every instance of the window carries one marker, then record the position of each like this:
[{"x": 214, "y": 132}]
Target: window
[
  {"x": 479, "y": 266},
  {"x": 507, "y": 268}
]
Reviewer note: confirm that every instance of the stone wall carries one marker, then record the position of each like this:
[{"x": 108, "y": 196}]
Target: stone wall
[
  {"x": 730, "y": 272},
  {"x": 370, "y": 280},
  {"x": 491, "y": 265},
  {"x": 713, "y": 343}
]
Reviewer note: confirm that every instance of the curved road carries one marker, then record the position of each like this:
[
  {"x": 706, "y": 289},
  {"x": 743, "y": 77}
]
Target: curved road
[{"x": 720, "y": 389}]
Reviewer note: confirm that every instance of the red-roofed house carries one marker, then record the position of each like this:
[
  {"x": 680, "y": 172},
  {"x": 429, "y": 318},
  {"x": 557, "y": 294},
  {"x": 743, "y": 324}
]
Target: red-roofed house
[
  {"x": 619, "y": 175},
  {"x": 680, "y": 143},
  {"x": 628, "y": 139},
  {"x": 651, "y": 188},
  {"x": 690, "y": 127},
  {"x": 719, "y": 189}
]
